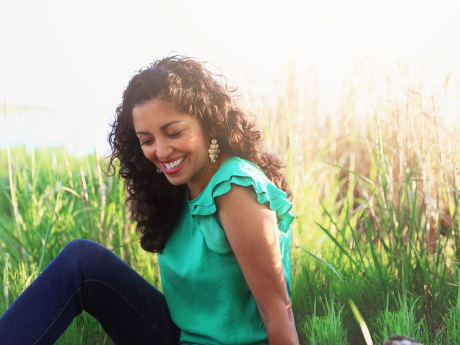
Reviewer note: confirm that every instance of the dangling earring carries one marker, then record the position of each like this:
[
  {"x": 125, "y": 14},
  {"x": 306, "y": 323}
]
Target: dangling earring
[
  {"x": 159, "y": 170},
  {"x": 213, "y": 150}
]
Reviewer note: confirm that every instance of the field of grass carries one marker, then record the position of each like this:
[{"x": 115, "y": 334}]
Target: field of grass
[{"x": 376, "y": 195}]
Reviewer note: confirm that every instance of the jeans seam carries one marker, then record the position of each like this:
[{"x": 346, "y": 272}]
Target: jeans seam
[
  {"x": 57, "y": 316},
  {"x": 118, "y": 292},
  {"x": 132, "y": 306}
]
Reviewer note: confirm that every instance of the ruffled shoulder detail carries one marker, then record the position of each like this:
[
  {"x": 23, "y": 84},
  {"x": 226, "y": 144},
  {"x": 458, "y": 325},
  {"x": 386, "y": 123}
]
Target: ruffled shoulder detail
[{"x": 238, "y": 171}]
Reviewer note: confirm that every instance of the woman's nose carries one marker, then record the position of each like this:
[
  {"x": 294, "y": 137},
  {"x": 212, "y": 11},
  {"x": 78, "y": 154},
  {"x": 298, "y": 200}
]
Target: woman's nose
[{"x": 163, "y": 149}]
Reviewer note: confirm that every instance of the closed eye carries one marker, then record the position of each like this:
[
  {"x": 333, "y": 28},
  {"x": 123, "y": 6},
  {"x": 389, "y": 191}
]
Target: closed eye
[
  {"x": 146, "y": 142},
  {"x": 174, "y": 135}
]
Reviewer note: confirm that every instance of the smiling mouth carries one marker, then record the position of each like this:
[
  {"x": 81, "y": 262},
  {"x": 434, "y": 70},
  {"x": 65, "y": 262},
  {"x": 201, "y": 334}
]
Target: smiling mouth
[{"x": 173, "y": 165}]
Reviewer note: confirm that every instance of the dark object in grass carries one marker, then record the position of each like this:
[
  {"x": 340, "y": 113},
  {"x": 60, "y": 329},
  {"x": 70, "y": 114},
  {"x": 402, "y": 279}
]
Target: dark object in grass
[{"x": 396, "y": 339}]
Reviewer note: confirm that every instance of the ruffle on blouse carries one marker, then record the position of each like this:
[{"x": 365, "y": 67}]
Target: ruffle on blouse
[{"x": 243, "y": 173}]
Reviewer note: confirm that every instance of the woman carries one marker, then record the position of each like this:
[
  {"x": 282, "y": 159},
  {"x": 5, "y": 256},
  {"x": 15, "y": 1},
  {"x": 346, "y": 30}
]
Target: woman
[{"x": 209, "y": 199}]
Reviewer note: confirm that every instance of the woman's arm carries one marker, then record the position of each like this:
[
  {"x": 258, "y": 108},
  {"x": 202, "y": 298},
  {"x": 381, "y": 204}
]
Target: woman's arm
[{"x": 251, "y": 229}]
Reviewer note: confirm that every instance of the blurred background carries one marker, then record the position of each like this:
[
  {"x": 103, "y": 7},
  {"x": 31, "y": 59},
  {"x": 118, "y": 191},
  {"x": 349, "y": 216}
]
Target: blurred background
[{"x": 65, "y": 64}]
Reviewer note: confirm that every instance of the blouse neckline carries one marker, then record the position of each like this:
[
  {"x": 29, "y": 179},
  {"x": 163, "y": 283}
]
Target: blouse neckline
[{"x": 192, "y": 201}]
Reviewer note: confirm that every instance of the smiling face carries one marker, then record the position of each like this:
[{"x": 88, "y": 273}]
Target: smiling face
[{"x": 176, "y": 143}]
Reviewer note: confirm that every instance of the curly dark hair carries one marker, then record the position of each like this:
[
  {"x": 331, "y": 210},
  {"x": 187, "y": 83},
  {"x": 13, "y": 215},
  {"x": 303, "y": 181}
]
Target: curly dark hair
[{"x": 184, "y": 82}]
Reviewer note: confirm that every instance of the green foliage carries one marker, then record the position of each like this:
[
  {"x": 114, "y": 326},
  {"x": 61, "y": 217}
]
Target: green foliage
[
  {"x": 60, "y": 198},
  {"x": 84, "y": 330},
  {"x": 386, "y": 230},
  {"x": 327, "y": 329},
  {"x": 401, "y": 321}
]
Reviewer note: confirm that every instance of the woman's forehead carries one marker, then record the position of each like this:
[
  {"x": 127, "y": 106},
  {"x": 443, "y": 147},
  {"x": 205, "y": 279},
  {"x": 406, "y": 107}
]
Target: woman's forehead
[{"x": 159, "y": 114}]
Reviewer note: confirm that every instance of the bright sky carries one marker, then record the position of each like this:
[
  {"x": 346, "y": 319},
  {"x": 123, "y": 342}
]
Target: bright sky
[{"x": 76, "y": 57}]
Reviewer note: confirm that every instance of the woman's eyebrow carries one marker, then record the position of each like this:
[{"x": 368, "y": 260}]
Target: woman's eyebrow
[
  {"x": 162, "y": 128},
  {"x": 169, "y": 124}
]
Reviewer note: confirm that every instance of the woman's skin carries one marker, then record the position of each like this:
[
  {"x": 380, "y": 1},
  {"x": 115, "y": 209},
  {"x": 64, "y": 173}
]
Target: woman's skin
[
  {"x": 167, "y": 135},
  {"x": 176, "y": 143},
  {"x": 254, "y": 240}
]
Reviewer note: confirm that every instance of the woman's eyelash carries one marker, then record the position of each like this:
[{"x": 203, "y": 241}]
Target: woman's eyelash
[
  {"x": 174, "y": 135},
  {"x": 171, "y": 135},
  {"x": 145, "y": 142}
]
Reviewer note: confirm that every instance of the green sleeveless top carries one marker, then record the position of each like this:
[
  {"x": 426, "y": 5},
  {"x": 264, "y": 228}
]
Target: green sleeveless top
[{"x": 204, "y": 287}]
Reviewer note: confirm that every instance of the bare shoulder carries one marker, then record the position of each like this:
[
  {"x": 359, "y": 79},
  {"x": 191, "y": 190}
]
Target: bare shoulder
[
  {"x": 250, "y": 227},
  {"x": 237, "y": 195},
  {"x": 239, "y": 211}
]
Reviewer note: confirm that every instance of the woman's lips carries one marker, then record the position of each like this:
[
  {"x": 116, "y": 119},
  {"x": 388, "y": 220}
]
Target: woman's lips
[{"x": 174, "y": 170}]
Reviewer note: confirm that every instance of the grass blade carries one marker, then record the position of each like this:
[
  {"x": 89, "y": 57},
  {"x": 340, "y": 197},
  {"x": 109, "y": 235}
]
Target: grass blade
[
  {"x": 336, "y": 243},
  {"x": 324, "y": 262},
  {"x": 49, "y": 229},
  {"x": 361, "y": 322},
  {"x": 433, "y": 284},
  {"x": 5, "y": 282}
]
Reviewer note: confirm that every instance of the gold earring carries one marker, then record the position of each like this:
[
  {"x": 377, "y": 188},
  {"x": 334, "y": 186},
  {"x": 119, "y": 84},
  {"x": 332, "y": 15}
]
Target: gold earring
[{"x": 213, "y": 150}]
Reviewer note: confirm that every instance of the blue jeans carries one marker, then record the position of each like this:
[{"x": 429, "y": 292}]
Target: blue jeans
[{"x": 87, "y": 276}]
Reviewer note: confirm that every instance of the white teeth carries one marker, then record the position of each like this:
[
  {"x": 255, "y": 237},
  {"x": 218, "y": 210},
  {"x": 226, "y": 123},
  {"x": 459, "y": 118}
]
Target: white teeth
[{"x": 174, "y": 164}]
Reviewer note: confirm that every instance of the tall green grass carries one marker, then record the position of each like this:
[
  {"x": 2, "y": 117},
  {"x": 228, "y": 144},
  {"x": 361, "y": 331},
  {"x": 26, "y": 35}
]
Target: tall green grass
[
  {"x": 376, "y": 194},
  {"x": 377, "y": 202},
  {"x": 60, "y": 198}
]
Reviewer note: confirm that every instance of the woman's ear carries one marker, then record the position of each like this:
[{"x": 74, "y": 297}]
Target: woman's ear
[{"x": 212, "y": 133}]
